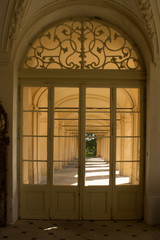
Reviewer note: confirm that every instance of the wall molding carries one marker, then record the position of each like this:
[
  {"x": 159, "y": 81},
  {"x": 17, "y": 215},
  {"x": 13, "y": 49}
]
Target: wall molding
[
  {"x": 147, "y": 16},
  {"x": 13, "y": 22},
  {"x": 148, "y": 11},
  {"x": 4, "y": 58},
  {"x": 17, "y": 18}
]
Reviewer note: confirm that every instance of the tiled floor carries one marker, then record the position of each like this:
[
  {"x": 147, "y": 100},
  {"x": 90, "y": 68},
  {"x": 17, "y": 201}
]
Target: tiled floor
[{"x": 80, "y": 230}]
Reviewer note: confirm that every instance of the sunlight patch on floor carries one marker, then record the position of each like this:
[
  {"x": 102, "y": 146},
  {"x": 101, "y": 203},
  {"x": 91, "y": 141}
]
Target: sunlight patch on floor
[{"x": 96, "y": 174}]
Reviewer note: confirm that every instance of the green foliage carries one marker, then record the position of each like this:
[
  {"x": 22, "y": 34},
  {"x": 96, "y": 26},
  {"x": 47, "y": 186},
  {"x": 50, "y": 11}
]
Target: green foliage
[{"x": 91, "y": 145}]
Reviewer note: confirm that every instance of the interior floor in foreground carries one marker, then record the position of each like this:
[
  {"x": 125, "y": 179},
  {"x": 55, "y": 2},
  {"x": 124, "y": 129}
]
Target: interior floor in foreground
[{"x": 79, "y": 230}]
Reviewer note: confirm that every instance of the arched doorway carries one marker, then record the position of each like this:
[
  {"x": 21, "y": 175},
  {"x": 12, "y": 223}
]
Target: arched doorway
[{"x": 82, "y": 124}]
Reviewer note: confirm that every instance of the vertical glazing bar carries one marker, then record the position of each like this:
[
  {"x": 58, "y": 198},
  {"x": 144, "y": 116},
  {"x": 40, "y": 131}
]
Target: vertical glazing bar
[
  {"x": 49, "y": 145},
  {"x": 113, "y": 143},
  {"x": 20, "y": 138},
  {"x": 81, "y": 147},
  {"x": 142, "y": 134},
  {"x": 52, "y": 130},
  {"x": 50, "y": 135}
]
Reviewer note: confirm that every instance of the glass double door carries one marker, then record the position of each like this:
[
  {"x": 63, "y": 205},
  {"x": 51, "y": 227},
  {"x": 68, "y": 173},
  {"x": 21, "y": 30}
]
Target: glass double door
[{"x": 81, "y": 152}]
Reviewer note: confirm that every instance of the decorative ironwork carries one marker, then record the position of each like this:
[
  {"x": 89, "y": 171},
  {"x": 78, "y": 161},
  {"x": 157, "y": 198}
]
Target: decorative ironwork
[
  {"x": 4, "y": 141},
  {"x": 82, "y": 44}
]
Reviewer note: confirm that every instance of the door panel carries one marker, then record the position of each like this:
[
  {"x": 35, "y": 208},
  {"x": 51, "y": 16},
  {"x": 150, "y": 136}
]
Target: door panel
[
  {"x": 127, "y": 202},
  {"x": 65, "y": 202},
  {"x": 35, "y": 202},
  {"x": 97, "y": 203}
]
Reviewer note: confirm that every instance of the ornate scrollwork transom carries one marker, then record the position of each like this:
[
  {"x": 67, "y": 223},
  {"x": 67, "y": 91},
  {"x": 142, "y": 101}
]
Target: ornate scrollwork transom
[{"x": 82, "y": 44}]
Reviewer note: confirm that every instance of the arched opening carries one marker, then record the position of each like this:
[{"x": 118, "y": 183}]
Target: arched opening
[
  {"x": 84, "y": 43},
  {"x": 82, "y": 124}
]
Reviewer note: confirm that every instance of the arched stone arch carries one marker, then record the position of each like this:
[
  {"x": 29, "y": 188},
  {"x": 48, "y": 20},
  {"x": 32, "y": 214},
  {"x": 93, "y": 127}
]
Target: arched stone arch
[
  {"x": 20, "y": 8},
  {"x": 53, "y": 14},
  {"x": 107, "y": 11}
]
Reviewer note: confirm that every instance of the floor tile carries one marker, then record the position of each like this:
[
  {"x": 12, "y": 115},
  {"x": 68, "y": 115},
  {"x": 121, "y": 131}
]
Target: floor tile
[{"x": 79, "y": 230}]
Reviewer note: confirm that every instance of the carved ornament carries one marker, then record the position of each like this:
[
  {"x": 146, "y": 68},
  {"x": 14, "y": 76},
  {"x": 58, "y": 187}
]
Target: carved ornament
[
  {"x": 147, "y": 14},
  {"x": 17, "y": 17}
]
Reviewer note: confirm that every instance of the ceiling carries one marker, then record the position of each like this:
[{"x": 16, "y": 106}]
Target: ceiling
[
  {"x": 37, "y": 5},
  {"x": 16, "y": 13}
]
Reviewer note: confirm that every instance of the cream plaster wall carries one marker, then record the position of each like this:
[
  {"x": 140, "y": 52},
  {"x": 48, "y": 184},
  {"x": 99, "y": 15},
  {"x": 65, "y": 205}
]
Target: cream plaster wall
[
  {"x": 130, "y": 5},
  {"x": 9, "y": 76},
  {"x": 4, "y": 3},
  {"x": 158, "y": 4},
  {"x": 152, "y": 176}
]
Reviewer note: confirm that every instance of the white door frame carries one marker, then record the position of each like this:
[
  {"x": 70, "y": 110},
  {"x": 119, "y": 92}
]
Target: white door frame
[{"x": 103, "y": 78}]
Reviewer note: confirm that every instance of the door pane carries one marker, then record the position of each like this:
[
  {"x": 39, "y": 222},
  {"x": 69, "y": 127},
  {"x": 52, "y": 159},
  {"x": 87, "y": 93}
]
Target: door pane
[
  {"x": 127, "y": 149},
  {"x": 34, "y": 148},
  {"x": 97, "y": 165},
  {"x": 66, "y": 127},
  {"x": 65, "y": 173},
  {"x": 35, "y": 98},
  {"x": 127, "y": 173},
  {"x": 98, "y": 123},
  {"x": 66, "y": 136},
  {"x": 128, "y": 124},
  {"x": 34, "y": 172},
  {"x": 65, "y": 148},
  {"x": 35, "y": 123},
  {"x": 128, "y": 99},
  {"x": 97, "y": 172}
]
